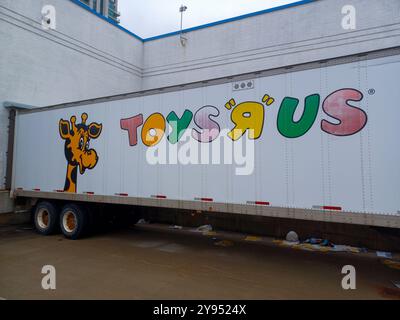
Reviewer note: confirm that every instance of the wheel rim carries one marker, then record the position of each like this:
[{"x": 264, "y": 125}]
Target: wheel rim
[
  {"x": 69, "y": 221},
  {"x": 43, "y": 218}
]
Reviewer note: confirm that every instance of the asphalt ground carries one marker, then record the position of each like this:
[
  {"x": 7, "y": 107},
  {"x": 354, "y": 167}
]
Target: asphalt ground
[{"x": 159, "y": 262}]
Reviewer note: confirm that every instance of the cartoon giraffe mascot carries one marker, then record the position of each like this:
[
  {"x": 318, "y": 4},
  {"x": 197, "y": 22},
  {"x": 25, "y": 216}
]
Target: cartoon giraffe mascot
[{"x": 77, "y": 141}]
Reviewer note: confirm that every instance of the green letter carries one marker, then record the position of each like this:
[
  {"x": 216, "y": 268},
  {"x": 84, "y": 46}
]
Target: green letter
[
  {"x": 290, "y": 128},
  {"x": 178, "y": 125}
]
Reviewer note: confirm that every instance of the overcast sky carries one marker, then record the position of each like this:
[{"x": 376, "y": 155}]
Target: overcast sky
[{"x": 148, "y": 18}]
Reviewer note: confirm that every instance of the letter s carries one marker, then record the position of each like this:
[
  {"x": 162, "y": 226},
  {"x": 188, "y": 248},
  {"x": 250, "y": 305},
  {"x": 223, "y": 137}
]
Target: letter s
[
  {"x": 351, "y": 119},
  {"x": 210, "y": 128}
]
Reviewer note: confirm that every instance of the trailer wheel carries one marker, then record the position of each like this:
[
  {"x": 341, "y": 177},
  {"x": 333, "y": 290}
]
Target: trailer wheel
[
  {"x": 74, "y": 221},
  {"x": 46, "y": 218}
]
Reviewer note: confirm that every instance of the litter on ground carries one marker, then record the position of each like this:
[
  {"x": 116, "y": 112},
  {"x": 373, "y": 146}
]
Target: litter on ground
[
  {"x": 176, "y": 227},
  {"x": 209, "y": 233},
  {"x": 344, "y": 248},
  {"x": 205, "y": 228},
  {"x": 292, "y": 237},
  {"x": 252, "y": 238},
  {"x": 325, "y": 246},
  {"x": 392, "y": 264},
  {"x": 285, "y": 243},
  {"x": 383, "y": 254},
  {"x": 224, "y": 243},
  {"x": 318, "y": 241}
]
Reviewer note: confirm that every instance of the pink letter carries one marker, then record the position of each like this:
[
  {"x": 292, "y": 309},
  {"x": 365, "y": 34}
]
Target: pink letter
[
  {"x": 351, "y": 119},
  {"x": 210, "y": 128},
  {"x": 131, "y": 125}
]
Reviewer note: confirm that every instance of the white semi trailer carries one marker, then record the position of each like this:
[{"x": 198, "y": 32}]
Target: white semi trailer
[{"x": 313, "y": 142}]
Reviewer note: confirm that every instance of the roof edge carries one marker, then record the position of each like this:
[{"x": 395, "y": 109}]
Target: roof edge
[
  {"x": 241, "y": 17},
  {"x": 203, "y": 26},
  {"x": 82, "y": 5}
]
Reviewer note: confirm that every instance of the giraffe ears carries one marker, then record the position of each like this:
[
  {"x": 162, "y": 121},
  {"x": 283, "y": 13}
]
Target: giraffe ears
[
  {"x": 95, "y": 130},
  {"x": 64, "y": 129}
]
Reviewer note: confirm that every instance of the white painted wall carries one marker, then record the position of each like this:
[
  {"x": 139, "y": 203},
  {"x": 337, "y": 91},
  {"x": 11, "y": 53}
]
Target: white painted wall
[
  {"x": 86, "y": 57},
  {"x": 299, "y": 34}
]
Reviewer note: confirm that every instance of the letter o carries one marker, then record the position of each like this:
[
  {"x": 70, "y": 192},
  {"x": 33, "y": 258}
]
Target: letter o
[{"x": 153, "y": 129}]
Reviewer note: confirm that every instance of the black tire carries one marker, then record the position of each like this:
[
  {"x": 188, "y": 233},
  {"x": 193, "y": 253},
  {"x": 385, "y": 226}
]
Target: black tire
[
  {"x": 46, "y": 217},
  {"x": 74, "y": 221}
]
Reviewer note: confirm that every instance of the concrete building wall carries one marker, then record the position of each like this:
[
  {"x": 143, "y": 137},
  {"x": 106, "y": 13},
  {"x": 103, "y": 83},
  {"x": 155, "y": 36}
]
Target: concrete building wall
[
  {"x": 300, "y": 34},
  {"x": 85, "y": 57}
]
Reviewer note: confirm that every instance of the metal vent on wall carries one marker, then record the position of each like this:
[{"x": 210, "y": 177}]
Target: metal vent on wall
[{"x": 243, "y": 85}]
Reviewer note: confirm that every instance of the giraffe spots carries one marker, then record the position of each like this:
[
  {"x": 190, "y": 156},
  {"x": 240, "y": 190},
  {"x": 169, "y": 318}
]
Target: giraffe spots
[{"x": 77, "y": 148}]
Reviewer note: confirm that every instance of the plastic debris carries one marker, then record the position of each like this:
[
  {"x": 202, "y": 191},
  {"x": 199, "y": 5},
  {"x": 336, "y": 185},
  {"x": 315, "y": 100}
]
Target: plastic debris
[
  {"x": 396, "y": 284},
  {"x": 318, "y": 241},
  {"x": 175, "y": 227},
  {"x": 324, "y": 246},
  {"x": 344, "y": 248},
  {"x": 142, "y": 221},
  {"x": 392, "y": 264},
  {"x": 224, "y": 243},
  {"x": 383, "y": 254},
  {"x": 292, "y": 237},
  {"x": 205, "y": 228},
  {"x": 252, "y": 238}
]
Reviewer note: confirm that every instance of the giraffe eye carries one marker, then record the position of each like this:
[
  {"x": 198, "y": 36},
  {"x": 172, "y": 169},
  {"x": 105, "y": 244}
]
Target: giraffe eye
[
  {"x": 81, "y": 143},
  {"x": 87, "y": 145}
]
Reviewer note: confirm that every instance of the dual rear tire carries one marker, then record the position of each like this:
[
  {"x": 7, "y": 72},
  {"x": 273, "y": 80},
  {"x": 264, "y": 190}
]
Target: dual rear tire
[
  {"x": 73, "y": 221},
  {"x": 46, "y": 218}
]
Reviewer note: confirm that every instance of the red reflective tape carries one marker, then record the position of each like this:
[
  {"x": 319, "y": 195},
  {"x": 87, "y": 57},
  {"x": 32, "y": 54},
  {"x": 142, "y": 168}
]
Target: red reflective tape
[
  {"x": 331, "y": 208},
  {"x": 89, "y": 192},
  {"x": 262, "y": 203},
  {"x": 159, "y": 196},
  {"x": 206, "y": 199},
  {"x": 123, "y": 194},
  {"x": 36, "y": 189},
  {"x": 20, "y": 188},
  {"x": 59, "y": 190}
]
